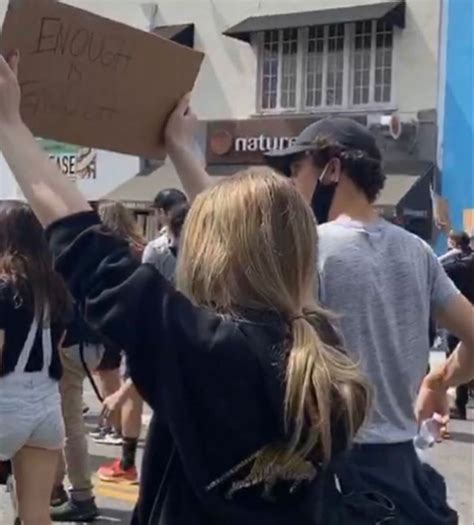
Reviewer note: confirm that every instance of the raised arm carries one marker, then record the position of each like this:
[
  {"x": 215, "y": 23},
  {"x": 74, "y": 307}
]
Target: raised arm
[
  {"x": 179, "y": 134},
  {"x": 50, "y": 194}
]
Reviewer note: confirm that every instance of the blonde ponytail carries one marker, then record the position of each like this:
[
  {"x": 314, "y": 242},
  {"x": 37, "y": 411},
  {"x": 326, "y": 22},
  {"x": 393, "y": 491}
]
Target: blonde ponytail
[
  {"x": 322, "y": 386},
  {"x": 266, "y": 263}
]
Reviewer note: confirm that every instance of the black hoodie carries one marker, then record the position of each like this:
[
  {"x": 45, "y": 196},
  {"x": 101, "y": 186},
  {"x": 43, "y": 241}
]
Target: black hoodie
[{"x": 216, "y": 385}]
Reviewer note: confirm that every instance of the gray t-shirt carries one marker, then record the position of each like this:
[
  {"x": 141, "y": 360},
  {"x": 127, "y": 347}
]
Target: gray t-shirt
[
  {"x": 154, "y": 248},
  {"x": 384, "y": 283}
]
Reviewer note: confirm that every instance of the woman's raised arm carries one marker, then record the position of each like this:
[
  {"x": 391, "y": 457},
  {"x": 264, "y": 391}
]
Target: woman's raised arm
[{"x": 51, "y": 195}]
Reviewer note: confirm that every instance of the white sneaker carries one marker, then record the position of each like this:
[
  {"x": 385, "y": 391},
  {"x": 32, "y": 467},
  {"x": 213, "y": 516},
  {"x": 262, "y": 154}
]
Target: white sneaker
[{"x": 109, "y": 438}]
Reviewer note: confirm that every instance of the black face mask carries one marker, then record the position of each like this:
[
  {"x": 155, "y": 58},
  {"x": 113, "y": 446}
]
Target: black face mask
[{"x": 322, "y": 201}]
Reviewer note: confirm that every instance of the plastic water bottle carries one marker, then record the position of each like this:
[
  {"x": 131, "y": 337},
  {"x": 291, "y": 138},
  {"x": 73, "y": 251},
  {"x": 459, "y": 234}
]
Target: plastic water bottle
[{"x": 429, "y": 432}]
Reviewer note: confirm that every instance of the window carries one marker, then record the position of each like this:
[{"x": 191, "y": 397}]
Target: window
[
  {"x": 280, "y": 49},
  {"x": 332, "y": 66}
]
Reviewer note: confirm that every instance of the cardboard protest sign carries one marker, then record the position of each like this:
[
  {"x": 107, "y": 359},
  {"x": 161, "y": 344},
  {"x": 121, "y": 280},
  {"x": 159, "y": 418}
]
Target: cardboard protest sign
[{"x": 94, "y": 82}]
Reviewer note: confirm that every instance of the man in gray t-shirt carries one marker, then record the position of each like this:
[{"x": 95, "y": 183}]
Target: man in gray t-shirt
[{"x": 383, "y": 283}]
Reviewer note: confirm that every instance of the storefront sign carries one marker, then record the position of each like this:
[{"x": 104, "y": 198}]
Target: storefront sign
[
  {"x": 74, "y": 162},
  {"x": 245, "y": 141}
]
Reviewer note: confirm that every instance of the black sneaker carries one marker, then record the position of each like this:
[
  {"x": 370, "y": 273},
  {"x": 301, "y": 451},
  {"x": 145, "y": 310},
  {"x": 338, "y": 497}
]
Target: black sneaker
[
  {"x": 99, "y": 431},
  {"x": 77, "y": 511},
  {"x": 59, "y": 496}
]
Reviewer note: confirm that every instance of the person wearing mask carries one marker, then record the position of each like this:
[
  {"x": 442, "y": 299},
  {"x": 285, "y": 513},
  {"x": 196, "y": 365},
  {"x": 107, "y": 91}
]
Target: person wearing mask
[
  {"x": 253, "y": 395},
  {"x": 166, "y": 260},
  {"x": 384, "y": 284},
  {"x": 34, "y": 306},
  {"x": 123, "y": 406},
  {"x": 164, "y": 202},
  {"x": 78, "y": 504},
  {"x": 458, "y": 244}
]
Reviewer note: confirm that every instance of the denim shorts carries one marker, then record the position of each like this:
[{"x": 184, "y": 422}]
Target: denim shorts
[{"x": 30, "y": 413}]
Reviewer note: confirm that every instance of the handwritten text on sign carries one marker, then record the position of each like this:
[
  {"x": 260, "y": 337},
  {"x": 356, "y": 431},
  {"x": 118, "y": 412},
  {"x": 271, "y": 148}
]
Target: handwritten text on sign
[
  {"x": 95, "y": 82},
  {"x": 80, "y": 45}
]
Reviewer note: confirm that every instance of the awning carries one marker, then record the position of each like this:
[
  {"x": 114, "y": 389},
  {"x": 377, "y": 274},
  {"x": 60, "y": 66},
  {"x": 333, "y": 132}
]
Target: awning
[
  {"x": 142, "y": 189},
  {"x": 392, "y": 12},
  {"x": 396, "y": 187},
  {"x": 181, "y": 34}
]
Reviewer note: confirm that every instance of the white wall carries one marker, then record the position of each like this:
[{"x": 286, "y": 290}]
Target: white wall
[
  {"x": 226, "y": 87},
  {"x": 229, "y": 68},
  {"x": 112, "y": 171},
  {"x": 417, "y": 57}
]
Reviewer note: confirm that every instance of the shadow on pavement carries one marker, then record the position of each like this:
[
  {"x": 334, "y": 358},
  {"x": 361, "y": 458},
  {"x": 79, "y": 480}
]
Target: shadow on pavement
[
  {"x": 97, "y": 461},
  {"x": 111, "y": 516},
  {"x": 462, "y": 437}
]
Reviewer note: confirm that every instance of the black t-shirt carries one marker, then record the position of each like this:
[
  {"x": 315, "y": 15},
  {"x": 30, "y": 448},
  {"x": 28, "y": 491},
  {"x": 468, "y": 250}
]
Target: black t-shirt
[{"x": 15, "y": 321}]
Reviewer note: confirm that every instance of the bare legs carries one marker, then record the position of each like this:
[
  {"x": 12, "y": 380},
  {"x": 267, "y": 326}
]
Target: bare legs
[{"x": 34, "y": 470}]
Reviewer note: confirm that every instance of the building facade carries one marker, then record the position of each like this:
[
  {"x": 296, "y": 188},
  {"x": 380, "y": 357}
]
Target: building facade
[
  {"x": 273, "y": 66},
  {"x": 456, "y": 112}
]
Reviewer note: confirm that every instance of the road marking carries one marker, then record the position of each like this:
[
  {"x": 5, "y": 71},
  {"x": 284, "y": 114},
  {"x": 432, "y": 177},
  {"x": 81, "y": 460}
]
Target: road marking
[{"x": 128, "y": 493}]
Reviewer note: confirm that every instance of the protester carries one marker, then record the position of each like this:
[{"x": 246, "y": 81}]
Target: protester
[
  {"x": 33, "y": 308},
  {"x": 108, "y": 432},
  {"x": 124, "y": 406},
  {"x": 165, "y": 261},
  {"x": 384, "y": 283},
  {"x": 79, "y": 505},
  {"x": 461, "y": 271},
  {"x": 458, "y": 244},
  {"x": 252, "y": 393},
  {"x": 164, "y": 202}
]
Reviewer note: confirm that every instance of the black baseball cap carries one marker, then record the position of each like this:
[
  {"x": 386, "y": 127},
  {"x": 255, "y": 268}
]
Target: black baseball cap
[
  {"x": 338, "y": 131},
  {"x": 168, "y": 198}
]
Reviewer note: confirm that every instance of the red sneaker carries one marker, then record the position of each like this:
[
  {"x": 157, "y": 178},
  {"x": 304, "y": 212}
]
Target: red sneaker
[{"x": 116, "y": 474}]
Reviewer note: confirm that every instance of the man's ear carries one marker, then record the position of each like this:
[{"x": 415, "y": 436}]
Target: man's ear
[{"x": 334, "y": 170}]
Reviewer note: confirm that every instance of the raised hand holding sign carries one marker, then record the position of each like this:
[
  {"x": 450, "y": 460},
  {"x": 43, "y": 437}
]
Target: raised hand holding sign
[{"x": 90, "y": 81}]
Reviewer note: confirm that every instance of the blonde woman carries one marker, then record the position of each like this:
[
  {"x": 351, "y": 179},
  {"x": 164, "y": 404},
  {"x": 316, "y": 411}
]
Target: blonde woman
[{"x": 253, "y": 395}]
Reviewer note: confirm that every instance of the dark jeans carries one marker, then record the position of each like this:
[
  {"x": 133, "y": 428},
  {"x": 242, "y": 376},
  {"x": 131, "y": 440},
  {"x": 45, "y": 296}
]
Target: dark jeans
[{"x": 394, "y": 470}]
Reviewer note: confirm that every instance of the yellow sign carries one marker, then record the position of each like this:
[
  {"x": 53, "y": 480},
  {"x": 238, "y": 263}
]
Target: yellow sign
[{"x": 468, "y": 219}]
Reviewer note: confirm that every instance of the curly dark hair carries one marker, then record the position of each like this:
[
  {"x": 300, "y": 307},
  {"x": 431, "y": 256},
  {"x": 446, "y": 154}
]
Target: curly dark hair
[
  {"x": 364, "y": 171},
  {"x": 26, "y": 262}
]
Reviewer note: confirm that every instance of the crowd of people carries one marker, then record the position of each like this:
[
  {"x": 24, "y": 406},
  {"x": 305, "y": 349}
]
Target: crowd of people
[
  {"x": 458, "y": 262},
  {"x": 278, "y": 328}
]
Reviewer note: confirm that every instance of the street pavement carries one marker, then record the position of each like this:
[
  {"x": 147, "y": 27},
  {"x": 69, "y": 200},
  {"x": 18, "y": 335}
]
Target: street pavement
[{"x": 453, "y": 458}]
